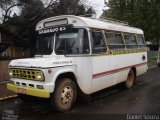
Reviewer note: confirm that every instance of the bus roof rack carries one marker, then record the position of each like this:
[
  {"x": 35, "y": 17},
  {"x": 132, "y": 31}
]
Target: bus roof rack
[
  {"x": 113, "y": 21},
  {"x": 104, "y": 19},
  {"x": 88, "y": 15}
]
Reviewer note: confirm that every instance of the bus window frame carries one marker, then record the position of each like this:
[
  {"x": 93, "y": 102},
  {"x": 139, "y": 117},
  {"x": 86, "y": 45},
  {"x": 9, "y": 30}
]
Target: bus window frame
[
  {"x": 124, "y": 33},
  {"x": 104, "y": 40},
  {"x": 143, "y": 41},
  {"x": 121, "y": 33}
]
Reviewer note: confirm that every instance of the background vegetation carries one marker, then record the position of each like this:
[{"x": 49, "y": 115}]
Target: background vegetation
[
  {"x": 29, "y": 12},
  {"x": 144, "y": 14}
]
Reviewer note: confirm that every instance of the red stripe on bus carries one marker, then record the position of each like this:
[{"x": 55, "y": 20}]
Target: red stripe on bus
[{"x": 116, "y": 70}]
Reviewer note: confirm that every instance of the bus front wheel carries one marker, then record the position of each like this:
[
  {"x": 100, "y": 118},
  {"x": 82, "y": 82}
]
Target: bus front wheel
[
  {"x": 65, "y": 95},
  {"x": 130, "y": 79}
]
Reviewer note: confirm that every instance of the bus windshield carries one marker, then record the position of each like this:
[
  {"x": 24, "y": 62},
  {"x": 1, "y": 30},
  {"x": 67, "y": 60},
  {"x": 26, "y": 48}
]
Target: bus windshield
[
  {"x": 74, "y": 41},
  {"x": 44, "y": 44}
]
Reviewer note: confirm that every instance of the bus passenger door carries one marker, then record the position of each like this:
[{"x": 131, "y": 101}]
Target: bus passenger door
[{"x": 100, "y": 62}]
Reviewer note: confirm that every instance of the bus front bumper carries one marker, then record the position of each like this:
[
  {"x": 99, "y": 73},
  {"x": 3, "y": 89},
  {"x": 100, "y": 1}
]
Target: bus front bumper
[{"x": 28, "y": 91}]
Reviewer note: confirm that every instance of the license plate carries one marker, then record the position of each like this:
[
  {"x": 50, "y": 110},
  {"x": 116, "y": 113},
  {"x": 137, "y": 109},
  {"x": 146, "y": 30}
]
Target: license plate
[{"x": 21, "y": 90}]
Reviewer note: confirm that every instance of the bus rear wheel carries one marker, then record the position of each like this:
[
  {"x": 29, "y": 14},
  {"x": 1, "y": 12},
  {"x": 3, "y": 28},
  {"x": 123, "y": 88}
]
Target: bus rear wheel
[
  {"x": 65, "y": 95},
  {"x": 130, "y": 79}
]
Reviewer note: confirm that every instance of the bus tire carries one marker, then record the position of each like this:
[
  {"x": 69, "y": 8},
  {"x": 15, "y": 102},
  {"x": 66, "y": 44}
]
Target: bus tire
[
  {"x": 130, "y": 79},
  {"x": 65, "y": 95}
]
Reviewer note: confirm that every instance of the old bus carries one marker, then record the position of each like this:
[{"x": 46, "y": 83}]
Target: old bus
[{"x": 77, "y": 53}]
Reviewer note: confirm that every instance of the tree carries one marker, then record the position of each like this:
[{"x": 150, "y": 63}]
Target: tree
[
  {"x": 32, "y": 11},
  {"x": 6, "y": 7},
  {"x": 138, "y": 13}
]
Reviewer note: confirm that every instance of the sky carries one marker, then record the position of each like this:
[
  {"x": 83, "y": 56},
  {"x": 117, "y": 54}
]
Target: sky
[{"x": 98, "y": 5}]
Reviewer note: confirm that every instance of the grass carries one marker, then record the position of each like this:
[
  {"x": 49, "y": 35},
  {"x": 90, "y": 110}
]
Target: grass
[{"x": 152, "y": 61}]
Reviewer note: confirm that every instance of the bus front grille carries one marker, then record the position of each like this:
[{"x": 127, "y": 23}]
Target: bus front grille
[{"x": 26, "y": 74}]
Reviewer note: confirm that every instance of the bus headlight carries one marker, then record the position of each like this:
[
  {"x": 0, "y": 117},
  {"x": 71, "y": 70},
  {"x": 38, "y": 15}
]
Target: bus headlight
[
  {"x": 10, "y": 73},
  {"x": 39, "y": 76}
]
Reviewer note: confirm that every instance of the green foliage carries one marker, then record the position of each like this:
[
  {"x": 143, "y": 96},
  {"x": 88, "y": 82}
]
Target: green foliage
[
  {"x": 32, "y": 11},
  {"x": 138, "y": 13},
  {"x": 152, "y": 61}
]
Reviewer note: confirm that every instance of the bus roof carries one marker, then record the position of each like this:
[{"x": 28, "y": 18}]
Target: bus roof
[{"x": 78, "y": 21}]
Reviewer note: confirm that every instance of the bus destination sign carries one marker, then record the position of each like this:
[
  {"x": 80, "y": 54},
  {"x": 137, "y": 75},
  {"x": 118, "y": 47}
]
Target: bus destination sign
[{"x": 53, "y": 30}]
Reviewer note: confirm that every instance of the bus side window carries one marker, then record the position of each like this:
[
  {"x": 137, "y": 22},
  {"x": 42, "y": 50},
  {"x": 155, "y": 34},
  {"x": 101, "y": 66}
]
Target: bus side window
[
  {"x": 130, "y": 40},
  {"x": 99, "y": 45},
  {"x": 140, "y": 40},
  {"x": 114, "y": 40}
]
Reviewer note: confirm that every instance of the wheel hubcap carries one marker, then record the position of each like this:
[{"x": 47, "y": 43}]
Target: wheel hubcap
[{"x": 66, "y": 94}]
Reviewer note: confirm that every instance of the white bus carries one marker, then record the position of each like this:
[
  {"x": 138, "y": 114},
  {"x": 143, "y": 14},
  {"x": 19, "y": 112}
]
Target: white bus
[{"x": 77, "y": 53}]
